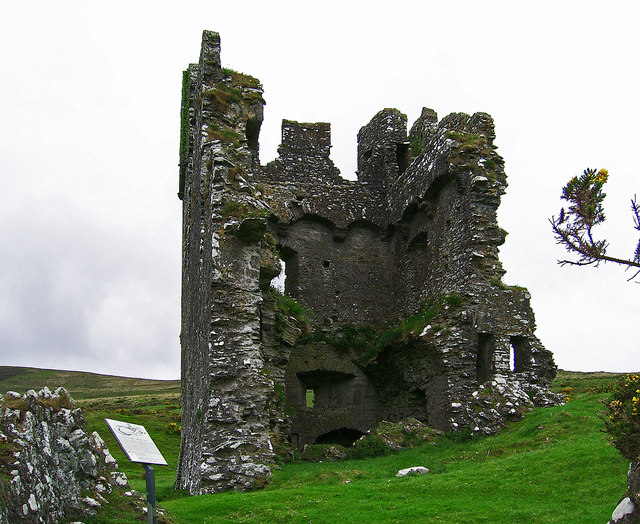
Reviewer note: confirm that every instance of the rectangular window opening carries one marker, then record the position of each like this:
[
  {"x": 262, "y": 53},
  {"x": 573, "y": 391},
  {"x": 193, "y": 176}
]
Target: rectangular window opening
[
  {"x": 309, "y": 398},
  {"x": 520, "y": 354},
  {"x": 484, "y": 362}
]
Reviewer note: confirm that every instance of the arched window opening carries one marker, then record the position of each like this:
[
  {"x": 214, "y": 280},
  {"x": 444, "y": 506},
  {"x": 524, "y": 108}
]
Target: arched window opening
[{"x": 290, "y": 259}]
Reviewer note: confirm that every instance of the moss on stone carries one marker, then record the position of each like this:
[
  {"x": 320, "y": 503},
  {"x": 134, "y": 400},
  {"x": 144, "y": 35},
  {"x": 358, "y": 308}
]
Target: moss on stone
[
  {"x": 228, "y": 136},
  {"x": 286, "y": 305},
  {"x": 238, "y": 78},
  {"x": 497, "y": 282},
  {"x": 367, "y": 342},
  {"x": 240, "y": 210}
]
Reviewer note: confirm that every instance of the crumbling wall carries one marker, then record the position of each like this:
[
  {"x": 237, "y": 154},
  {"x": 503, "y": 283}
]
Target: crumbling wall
[
  {"x": 225, "y": 391},
  {"x": 51, "y": 470},
  {"x": 399, "y": 310}
]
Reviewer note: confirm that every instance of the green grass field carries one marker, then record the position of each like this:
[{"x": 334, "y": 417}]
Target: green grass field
[{"x": 556, "y": 465}]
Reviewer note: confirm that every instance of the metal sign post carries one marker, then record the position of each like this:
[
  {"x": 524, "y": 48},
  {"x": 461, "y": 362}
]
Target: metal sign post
[
  {"x": 150, "y": 477},
  {"x": 139, "y": 447}
]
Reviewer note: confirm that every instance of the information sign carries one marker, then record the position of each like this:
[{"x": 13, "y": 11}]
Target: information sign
[{"x": 136, "y": 442}]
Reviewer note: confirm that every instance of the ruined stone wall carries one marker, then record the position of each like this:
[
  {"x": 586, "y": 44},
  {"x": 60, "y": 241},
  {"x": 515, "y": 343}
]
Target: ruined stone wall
[
  {"x": 225, "y": 442},
  {"x": 406, "y": 313},
  {"x": 51, "y": 470},
  {"x": 345, "y": 280}
]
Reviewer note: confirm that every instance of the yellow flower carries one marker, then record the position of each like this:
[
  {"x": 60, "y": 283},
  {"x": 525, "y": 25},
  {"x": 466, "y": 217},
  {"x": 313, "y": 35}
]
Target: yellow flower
[{"x": 602, "y": 176}]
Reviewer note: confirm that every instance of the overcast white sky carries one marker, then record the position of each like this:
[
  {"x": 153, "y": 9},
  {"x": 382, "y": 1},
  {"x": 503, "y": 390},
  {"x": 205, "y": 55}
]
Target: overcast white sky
[{"x": 89, "y": 127}]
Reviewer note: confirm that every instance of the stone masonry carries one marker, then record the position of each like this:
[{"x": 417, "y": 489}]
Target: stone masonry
[
  {"x": 51, "y": 469},
  {"x": 394, "y": 303}
]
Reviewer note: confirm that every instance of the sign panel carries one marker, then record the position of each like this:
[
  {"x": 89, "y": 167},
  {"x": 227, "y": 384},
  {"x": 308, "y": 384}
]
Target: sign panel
[{"x": 136, "y": 442}]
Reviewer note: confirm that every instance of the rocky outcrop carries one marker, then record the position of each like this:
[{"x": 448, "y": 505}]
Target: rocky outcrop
[
  {"x": 628, "y": 509},
  {"x": 394, "y": 307},
  {"x": 51, "y": 469}
]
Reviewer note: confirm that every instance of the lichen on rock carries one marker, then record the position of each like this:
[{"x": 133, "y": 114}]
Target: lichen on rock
[{"x": 52, "y": 470}]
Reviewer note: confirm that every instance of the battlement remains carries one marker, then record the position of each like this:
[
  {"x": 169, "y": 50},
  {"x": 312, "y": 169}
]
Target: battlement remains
[{"x": 394, "y": 306}]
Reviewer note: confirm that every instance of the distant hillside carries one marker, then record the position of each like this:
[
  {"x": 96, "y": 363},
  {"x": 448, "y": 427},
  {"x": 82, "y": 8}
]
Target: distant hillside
[
  {"x": 584, "y": 381},
  {"x": 80, "y": 384}
]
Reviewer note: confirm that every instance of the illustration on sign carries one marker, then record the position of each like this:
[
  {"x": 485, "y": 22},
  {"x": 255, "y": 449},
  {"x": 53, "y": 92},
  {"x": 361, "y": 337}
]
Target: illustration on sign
[{"x": 136, "y": 442}]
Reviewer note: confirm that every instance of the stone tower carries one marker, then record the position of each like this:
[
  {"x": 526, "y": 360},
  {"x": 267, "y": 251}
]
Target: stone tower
[{"x": 394, "y": 304}]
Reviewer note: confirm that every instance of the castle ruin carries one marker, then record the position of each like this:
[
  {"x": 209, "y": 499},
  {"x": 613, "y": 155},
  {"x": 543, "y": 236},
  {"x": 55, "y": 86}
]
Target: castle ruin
[{"x": 394, "y": 304}]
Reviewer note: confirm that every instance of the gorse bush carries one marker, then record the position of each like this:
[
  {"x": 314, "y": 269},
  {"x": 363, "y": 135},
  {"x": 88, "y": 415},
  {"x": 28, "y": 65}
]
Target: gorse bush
[
  {"x": 173, "y": 428},
  {"x": 574, "y": 226},
  {"x": 622, "y": 416}
]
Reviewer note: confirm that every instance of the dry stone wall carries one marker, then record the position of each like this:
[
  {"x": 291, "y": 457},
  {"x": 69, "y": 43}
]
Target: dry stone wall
[
  {"x": 394, "y": 307},
  {"x": 51, "y": 470}
]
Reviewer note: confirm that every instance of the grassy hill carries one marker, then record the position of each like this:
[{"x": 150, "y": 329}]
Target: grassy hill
[
  {"x": 556, "y": 465},
  {"x": 83, "y": 385}
]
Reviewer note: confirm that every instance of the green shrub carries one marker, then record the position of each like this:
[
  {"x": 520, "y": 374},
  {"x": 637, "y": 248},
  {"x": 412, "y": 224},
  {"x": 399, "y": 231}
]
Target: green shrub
[
  {"x": 286, "y": 305},
  {"x": 622, "y": 416},
  {"x": 368, "y": 447},
  {"x": 349, "y": 337},
  {"x": 321, "y": 452},
  {"x": 242, "y": 79},
  {"x": 222, "y": 96},
  {"x": 462, "y": 435},
  {"x": 233, "y": 208},
  {"x": 453, "y": 300},
  {"x": 278, "y": 390},
  {"x": 368, "y": 342},
  {"x": 467, "y": 141}
]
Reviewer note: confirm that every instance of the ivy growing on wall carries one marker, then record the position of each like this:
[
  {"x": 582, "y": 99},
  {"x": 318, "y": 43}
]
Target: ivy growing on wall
[{"x": 184, "y": 121}]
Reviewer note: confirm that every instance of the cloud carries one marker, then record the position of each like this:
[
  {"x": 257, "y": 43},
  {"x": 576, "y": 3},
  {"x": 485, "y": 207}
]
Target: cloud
[
  {"x": 89, "y": 219},
  {"x": 78, "y": 291}
]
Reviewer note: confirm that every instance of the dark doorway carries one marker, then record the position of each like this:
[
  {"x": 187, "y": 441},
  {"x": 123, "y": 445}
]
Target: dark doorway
[
  {"x": 484, "y": 362},
  {"x": 343, "y": 437}
]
